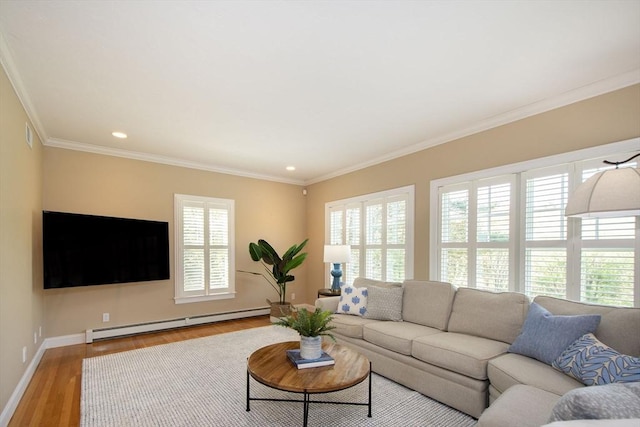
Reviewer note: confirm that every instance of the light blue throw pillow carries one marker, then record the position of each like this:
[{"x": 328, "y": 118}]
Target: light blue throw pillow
[
  {"x": 545, "y": 336},
  {"x": 594, "y": 363}
]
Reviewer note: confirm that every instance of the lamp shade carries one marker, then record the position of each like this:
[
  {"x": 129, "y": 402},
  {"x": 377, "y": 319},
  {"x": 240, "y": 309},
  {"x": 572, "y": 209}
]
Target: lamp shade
[
  {"x": 607, "y": 194},
  {"x": 337, "y": 254}
]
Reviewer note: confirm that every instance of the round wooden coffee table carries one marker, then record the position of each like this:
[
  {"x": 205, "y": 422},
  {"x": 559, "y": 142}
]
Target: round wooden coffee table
[{"x": 271, "y": 367}]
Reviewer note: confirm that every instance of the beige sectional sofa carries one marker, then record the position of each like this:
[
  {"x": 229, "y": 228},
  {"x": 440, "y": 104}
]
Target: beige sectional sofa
[{"x": 451, "y": 344}]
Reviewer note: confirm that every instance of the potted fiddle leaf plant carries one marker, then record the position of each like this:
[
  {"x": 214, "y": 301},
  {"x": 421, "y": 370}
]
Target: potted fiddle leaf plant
[
  {"x": 278, "y": 269},
  {"x": 312, "y": 326}
]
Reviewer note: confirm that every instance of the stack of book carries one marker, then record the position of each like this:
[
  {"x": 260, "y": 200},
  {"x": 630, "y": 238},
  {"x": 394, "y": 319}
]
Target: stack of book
[{"x": 300, "y": 363}]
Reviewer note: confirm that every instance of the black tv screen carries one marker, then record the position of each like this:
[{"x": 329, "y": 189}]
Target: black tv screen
[{"x": 84, "y": 250}]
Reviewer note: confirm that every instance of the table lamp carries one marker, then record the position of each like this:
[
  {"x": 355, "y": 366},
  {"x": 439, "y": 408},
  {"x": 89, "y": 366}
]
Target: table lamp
[{"x": 337, "y": 254}]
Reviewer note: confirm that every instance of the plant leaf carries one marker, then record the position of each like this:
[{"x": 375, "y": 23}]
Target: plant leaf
[{"x": 255, "y": 251}]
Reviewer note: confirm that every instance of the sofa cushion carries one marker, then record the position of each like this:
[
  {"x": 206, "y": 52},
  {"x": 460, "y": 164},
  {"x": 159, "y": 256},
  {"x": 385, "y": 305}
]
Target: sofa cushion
[
  {"x": 427, "y": 303},
  {"x": 594, "y": 363},
  {"x": 612, "y": 401},
  {"x": 510, "y": 369},
  {"x": 350, "y": 326},
  {"x": 465, "y": 354},
  {"x": 395, "y": 336},
  {"x": 328, "y": 303},
  {"x": 618, "y": 328},
  {"x": 521, "y": 405},
  {"x": 384, "y": 303},
  {"x": 495, "y": 315},
  {"x": 353, "y": 301},
  {"x": 545, "y": 336},
  {"x": 363, "y": 282}
]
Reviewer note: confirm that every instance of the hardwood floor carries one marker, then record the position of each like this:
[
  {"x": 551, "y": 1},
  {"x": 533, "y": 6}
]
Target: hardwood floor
[{"x": 53, "y": 395}]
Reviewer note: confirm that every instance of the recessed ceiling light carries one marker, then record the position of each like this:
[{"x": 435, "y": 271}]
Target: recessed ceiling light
[
  {"x": 120, "y": 135},
  {"x": 291, "y": 168}
]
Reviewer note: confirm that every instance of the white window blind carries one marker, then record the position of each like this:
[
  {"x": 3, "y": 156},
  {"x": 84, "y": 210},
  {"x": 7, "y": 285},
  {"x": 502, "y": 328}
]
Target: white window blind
[
  {"x": 379, "y": 229},
  {"x": 204, "y": 248},
  {"x": 509, "y": 232}
]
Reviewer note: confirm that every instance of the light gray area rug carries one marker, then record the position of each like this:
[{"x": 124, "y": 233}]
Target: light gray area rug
[{"x": 202, "y": 382}]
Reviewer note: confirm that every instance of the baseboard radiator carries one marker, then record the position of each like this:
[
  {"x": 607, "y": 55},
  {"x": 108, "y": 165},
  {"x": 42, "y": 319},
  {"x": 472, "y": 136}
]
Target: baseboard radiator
[{"x": 141, "y": 328}]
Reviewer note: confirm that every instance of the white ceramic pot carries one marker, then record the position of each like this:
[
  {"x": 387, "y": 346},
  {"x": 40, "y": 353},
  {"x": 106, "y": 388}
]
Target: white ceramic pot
[{"x": 310, "y": 347}]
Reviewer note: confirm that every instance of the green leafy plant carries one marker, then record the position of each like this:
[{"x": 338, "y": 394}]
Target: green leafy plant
[
  {"x": 309, "y": 323},
  {"x": 277, "y": 267}
]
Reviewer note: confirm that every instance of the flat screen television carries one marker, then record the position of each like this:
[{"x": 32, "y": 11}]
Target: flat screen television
[{"x": 84, "y": 250}]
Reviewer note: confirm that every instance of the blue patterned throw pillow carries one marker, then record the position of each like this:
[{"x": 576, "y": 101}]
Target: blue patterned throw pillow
[
  {"x": 353, "y": 301},
  {"x": 594, "y": 363}
]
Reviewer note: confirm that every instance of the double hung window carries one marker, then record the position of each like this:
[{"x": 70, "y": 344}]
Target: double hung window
[{"x": 204, "y": 230}]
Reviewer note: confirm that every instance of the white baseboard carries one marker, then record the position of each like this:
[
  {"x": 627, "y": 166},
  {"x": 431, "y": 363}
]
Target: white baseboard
[
  {"x": 65, "y": 340},
  {"x": 18, "y": 392}
]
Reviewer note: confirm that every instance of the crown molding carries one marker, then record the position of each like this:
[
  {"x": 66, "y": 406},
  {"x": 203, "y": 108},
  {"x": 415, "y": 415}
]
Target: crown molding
[
  {"x": 570, "y": 97},
  {"x": 6, "y": 59},
  {"x": 165, "y": 160}
]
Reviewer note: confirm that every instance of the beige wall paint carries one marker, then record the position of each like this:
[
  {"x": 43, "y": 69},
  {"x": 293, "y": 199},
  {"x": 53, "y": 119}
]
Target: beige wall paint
[
  {"x": 600, "y": 120},
  {"x": 21, "y": 295},
  {"x": 102, "y": 185}
]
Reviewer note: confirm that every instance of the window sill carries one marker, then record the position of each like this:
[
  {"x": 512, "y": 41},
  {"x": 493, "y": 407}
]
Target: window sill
[{"x": 202, "y": 298}]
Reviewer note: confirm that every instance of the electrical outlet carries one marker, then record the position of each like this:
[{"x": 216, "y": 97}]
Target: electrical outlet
[
  {"x": 105, "y": 317},
  {"x": 35, "y": 338},
  {"x": 24, "y": 354},
  {"x": 293, "y": 297},
  {"x": 40, "y": 331}
]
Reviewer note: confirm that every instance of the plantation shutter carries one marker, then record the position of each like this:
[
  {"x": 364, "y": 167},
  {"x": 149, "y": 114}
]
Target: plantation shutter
[
  {"x": 545, "y": 242},
  {"x": 218, "y": 248},
  {"x": 396, "y": 226},
  {"x": 373, "y": 239},
  {"x": 493, "y": 236},
  {"x": 454, "y": 238},
  {"x": 353, "y": 233},
  {"x": 193, "y": 255}
]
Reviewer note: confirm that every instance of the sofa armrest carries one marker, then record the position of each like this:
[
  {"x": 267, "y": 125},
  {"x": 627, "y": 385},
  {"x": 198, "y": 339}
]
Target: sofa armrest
[{"x": 328, "y": 303}]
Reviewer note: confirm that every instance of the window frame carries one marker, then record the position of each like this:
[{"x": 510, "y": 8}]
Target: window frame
[
  {"x": 574, "y": 162},
  {"x": 407, "y": 193},
  {"x": 207, "y": 294}
]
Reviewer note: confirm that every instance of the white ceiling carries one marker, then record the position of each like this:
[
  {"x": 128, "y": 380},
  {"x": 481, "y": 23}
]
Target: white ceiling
[{"x": 250, "y": 87}]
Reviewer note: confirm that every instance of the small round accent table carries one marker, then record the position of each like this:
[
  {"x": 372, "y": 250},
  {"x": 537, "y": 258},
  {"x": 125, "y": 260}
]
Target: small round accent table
[{"x": 271, "y": 367}]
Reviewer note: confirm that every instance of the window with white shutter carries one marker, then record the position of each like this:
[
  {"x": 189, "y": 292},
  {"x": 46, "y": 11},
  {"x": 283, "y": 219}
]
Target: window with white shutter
[
  {"x": 505, "y": 230},
  {"x": 204, "y": 231},
  {"x": 379, "y": 229},
  {"x": 475, "y": 234}
]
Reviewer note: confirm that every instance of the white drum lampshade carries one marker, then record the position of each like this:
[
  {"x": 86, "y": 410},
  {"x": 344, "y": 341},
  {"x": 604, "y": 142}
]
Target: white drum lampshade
[{"x": 607, "y": 194}]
